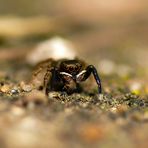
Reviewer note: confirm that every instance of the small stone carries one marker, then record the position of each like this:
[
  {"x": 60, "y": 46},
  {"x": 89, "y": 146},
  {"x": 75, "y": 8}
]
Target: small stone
[
  {"x": 26, "y": 87},
  {"x": 55, "y": 48},
  {"x": 53, "y": 94},
  {"x": 135, "y": 87},
  {"x": 5, "y": 88},
  {"x": 14, "y": 91},
  {"x": 113, "y": 109}
]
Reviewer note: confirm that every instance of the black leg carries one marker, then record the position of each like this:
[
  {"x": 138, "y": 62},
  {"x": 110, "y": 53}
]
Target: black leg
[
  {"x": 86, "y": 73},
  {"x": 49, "y": 80},
  {"x": 54, "y": 82}
]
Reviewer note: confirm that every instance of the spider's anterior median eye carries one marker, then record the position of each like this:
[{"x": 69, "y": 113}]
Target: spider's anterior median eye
[
  {"x": 76, "y": 68},
  {"x": 70, "y": 68}
]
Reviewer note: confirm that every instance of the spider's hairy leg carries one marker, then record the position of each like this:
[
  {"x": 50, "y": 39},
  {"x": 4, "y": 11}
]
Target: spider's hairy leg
[
  {"x": 87, "y": 72},
  {"x": 51, "y": 79},
  {"x": 47, "y": 77},
  {"x": 41, "y": 66},
  {"x": 39, "y": 73}
]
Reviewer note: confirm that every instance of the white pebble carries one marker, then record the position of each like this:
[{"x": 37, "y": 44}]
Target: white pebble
[
  {"x": 56, "y": 48},
  {"x": 135, "y": 86}
]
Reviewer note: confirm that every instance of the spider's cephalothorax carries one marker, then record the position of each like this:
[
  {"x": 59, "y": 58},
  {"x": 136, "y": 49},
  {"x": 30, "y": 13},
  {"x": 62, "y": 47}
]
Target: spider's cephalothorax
[
  {"x": 72, "y": 67},
  {"x": 66, "y": 75}
]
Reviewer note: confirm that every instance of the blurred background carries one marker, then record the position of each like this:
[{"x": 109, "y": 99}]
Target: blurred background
[
  {"x": 105, "y": 32},
  {"x": 112, "y": 35}
]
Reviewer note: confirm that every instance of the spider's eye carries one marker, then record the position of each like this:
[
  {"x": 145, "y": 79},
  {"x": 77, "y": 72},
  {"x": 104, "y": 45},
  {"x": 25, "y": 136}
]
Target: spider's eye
[
  {"x": 71, "y": 68},
  {"x": 76, "y": 68}
]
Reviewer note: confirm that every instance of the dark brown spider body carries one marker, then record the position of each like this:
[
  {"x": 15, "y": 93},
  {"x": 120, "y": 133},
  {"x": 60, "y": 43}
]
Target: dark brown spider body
[
  {"x": 66, "y": 75},
  {"x": 71, "y": 66}
]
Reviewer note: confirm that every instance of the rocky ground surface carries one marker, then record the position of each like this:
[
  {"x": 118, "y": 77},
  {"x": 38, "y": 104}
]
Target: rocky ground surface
[
  {"x": 116, "y": 118},
  {"x": 110, "y": 35}
]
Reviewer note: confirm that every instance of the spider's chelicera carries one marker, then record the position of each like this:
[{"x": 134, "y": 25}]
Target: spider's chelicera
[{"x": 66, "y": 75}]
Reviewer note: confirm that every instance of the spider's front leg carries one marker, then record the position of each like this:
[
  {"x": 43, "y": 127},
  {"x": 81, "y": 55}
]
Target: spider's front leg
[
  {"x": 83, "y": 75},
  {"x": 52, "y": 83}
]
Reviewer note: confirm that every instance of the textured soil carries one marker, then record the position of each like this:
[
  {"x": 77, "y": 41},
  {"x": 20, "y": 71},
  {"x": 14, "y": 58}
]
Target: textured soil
[{"x": 28, "y": 118}]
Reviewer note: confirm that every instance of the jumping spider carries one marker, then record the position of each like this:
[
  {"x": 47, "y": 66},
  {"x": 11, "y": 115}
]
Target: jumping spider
[{"x": 66, "y": 75}]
